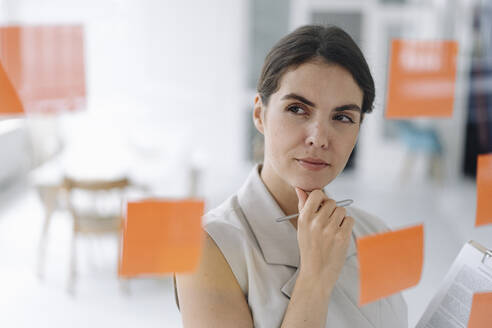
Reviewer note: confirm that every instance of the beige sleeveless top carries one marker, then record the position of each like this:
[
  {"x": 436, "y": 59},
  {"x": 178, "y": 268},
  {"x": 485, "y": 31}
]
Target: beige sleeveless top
[{"x": 264, "y": 257}]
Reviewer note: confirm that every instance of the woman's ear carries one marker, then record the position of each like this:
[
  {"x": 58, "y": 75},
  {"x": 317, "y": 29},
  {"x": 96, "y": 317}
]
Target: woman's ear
[{"x": 258, "y": 114}]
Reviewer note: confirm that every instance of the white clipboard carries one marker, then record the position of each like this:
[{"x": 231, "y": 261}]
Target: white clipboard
[{"x": 471, "y": 272}]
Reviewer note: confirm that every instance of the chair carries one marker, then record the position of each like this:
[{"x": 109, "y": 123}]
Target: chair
[
  {"x": 50, "y": 198},
  {"x": 96, "y": 209},
  {"x": 47, "y": 181}
]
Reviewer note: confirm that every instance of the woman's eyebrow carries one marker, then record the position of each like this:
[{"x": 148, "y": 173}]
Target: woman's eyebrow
[
  {"x": 300, "y": 98},
  {"x": 348, "y": 107}
]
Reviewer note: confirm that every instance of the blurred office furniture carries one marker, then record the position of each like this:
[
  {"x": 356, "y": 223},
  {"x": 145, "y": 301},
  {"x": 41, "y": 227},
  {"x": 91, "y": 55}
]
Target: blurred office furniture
[
  {"x": 47, "y": 181},
  {"x": 93, "y": 201},
  {"x": 51, "y": 197},
  {"x": 45, "y": 149},
  {"x": 96, "y": 209},
  {"x": 420, "y": 140}
]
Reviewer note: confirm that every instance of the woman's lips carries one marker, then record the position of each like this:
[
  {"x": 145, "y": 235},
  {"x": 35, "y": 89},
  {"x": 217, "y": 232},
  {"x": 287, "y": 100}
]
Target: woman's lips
[{"x": 312, "y": 166}]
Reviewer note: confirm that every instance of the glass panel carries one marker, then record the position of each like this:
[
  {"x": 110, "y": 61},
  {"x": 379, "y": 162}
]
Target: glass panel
[
  {"x": 349, "y": 21},
  {"x": 269, "y": 23}
]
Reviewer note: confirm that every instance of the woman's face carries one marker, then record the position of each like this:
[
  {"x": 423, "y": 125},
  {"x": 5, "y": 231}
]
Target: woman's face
[{"x": 313, "y": 117}]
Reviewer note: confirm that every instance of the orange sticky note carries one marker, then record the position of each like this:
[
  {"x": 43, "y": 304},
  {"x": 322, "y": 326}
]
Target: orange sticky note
[
  {"x": 480, "y": 315},
  {"x": 484, "y": 190},
  {"x": 9, "y": 100},
  {"x": 161, "y": 236},
  {"x": 421, "y": 79},
  {"x": 390, "y": 262},
  {"x": 45, "y": 65}
]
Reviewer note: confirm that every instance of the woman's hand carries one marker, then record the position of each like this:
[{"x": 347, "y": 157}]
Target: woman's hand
[{"x": 323, "y": 233}]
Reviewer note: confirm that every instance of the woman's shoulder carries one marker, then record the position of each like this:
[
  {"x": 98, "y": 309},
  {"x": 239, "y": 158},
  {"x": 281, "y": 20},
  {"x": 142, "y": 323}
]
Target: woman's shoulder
[
  {"x": 226, "y": 216},
  {"x": 365, "y": 222},
  {"x": 226, "y": 226}
]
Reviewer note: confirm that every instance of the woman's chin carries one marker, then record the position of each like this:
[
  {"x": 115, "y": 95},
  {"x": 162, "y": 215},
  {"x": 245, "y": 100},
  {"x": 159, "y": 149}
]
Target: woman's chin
[
  {"x": 310, "y": 184},
  {"x": 308, "y": 187}
]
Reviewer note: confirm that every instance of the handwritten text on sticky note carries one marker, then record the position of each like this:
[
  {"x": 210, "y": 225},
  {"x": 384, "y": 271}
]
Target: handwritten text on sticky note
[
  {"x": 421, "y": 79},
  {"x": 46, "y": 66}
]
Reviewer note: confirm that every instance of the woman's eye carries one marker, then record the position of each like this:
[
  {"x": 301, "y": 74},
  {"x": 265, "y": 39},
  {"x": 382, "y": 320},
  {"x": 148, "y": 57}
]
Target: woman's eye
[
  {"x": 296, "y": 109},
  {"x": 344, "y": 118}
]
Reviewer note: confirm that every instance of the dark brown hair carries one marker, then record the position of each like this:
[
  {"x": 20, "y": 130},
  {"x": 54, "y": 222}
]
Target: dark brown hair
[{"x": 312, "y": 42}]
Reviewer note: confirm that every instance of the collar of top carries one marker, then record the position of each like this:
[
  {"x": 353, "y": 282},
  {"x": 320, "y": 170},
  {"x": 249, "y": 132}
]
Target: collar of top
[{"x": 277, "y": 240}]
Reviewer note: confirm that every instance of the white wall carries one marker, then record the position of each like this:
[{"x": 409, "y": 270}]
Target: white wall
[{"x": 176, "y": 69}]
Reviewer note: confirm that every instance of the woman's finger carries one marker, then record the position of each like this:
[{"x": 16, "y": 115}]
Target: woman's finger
[
  {"x": 326, "y": 212},
  {"x": 313, "y": 202},
  {"x": 347, "y": 225},
  {"x": 302, "y": 196},
  {"x": 338, "y": 216}
]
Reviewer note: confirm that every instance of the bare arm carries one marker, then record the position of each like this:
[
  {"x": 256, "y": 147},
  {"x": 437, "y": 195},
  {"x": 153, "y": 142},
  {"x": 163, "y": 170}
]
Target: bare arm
[
  {"x": 211, "y": 296},
  {"x": 308, "y": 305}
]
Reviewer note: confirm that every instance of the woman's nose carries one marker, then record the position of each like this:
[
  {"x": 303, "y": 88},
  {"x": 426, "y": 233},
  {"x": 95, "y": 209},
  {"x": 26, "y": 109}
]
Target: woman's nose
[{"x": 318, "y": 136}]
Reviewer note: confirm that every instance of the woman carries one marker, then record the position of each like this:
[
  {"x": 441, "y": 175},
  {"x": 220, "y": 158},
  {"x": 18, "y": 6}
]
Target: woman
[{"x": 313, "y": 92}]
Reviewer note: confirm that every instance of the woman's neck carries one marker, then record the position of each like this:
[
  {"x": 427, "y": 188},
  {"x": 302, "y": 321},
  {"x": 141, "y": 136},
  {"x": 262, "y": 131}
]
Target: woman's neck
[{"x": 283, "y": 193}]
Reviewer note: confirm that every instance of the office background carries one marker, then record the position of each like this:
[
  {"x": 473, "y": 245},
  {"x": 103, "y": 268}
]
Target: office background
[{"x": 170, "y": 87}]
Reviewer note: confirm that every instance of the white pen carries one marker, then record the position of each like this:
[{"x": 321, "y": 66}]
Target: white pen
[{"x": 343, "y": 203}]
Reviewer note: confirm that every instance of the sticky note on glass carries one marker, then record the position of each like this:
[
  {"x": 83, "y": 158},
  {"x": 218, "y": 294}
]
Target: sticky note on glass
[
  {"x": 161, "y": 236},
  {"x": 484, "y": 190},
  {"x": 421, "y": 80},
  {"x": 480, "y": 315},
  {"x": 10, "y": 103},
  {"x": 389, "y": 262},
  {"x": 45, "y": 65}
]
